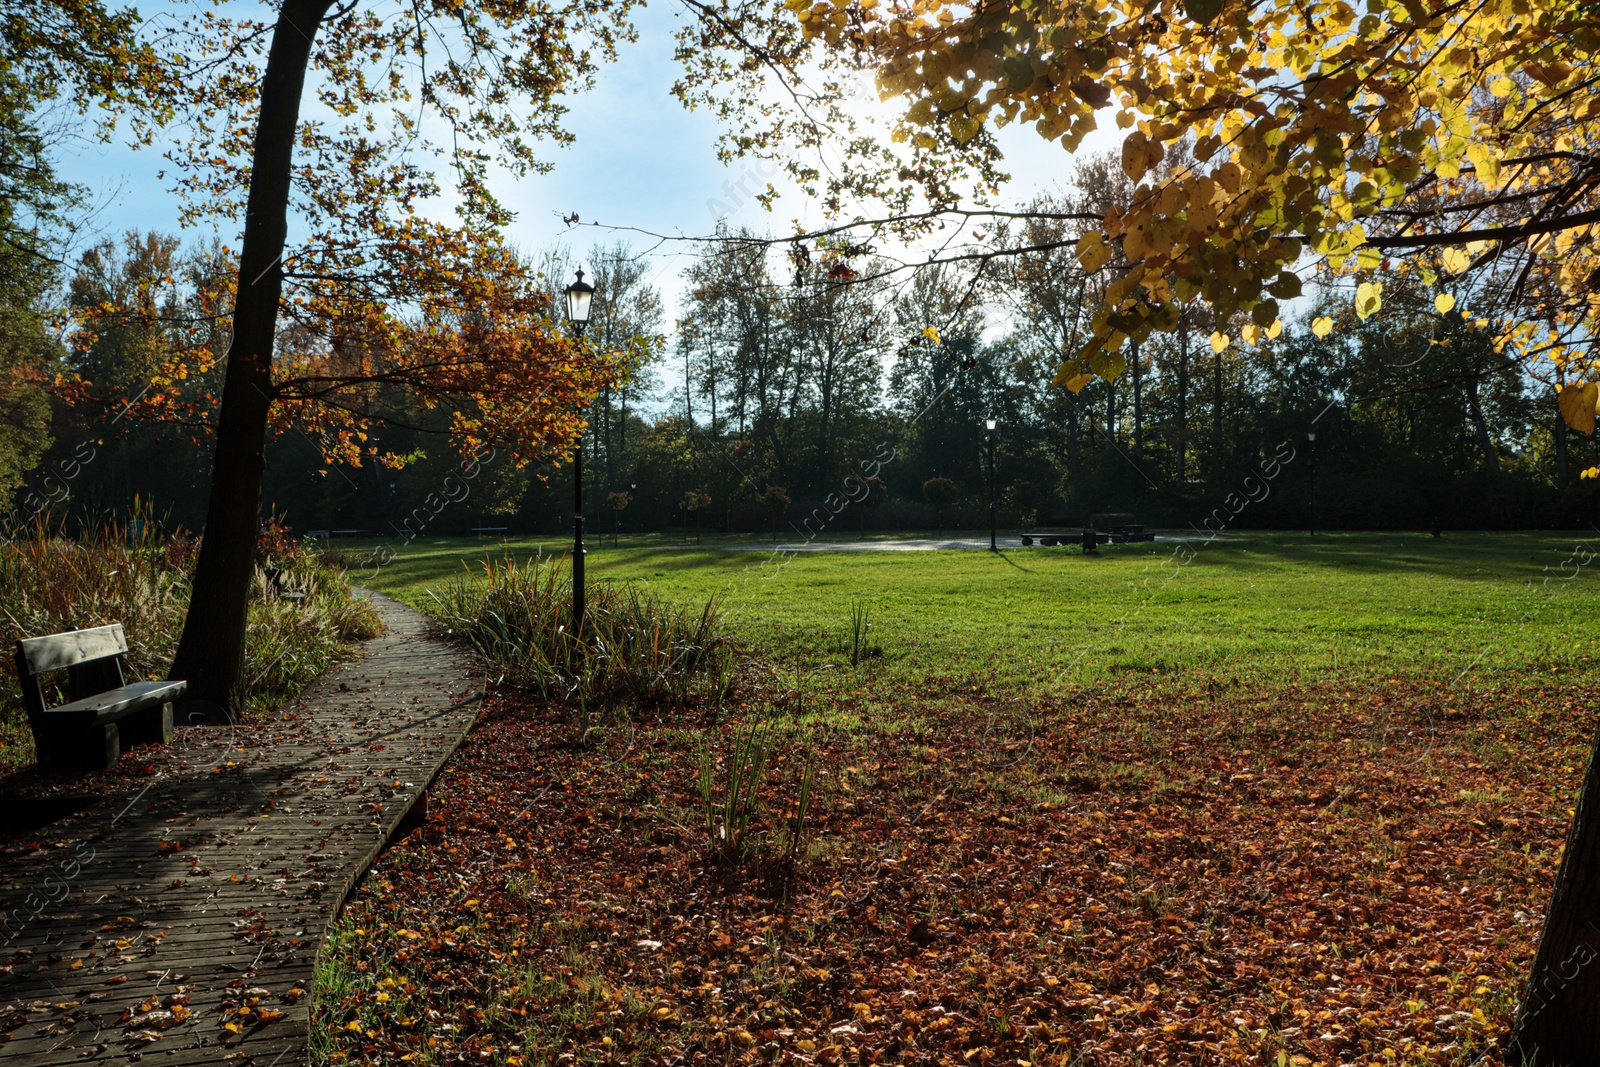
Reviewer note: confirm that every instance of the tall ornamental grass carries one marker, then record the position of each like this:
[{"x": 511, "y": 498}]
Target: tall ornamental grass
[
  {"x": 51, "y": 582},
  {"x": 634, "y": 648}
]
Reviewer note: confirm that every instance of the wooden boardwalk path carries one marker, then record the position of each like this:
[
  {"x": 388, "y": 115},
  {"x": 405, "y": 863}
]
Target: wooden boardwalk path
[{"x": 180, "y": 924}]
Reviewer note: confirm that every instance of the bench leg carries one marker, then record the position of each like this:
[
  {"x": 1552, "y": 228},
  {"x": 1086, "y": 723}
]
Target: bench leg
[
  {"x": 153, "y": 726},
  {"x": 102, "y": 747},
  {"x": 94, "y": 748}
]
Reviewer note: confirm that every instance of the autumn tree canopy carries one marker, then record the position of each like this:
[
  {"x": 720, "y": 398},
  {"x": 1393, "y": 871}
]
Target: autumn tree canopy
[
  {"x": 365, "y": 283},
  {"x": 1454, "y": 141},
  {"x": 385, "y": 297}
]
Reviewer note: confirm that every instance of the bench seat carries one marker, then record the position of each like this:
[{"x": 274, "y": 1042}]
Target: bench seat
[{"x": 113, "y": 705}]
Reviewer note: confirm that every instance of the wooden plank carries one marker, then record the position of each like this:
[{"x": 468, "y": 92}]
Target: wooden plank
[
  {"x": 269, "y": 850},
  {"x": 55, "y": 652}
]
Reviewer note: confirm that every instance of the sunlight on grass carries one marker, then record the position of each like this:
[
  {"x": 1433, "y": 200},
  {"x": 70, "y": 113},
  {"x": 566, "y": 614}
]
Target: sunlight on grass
[{"x": 1267, "y": 606}]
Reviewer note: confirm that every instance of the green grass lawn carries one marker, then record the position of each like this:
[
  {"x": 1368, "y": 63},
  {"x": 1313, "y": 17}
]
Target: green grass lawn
[
  {"x": 1255, "y": 606},
  {"x": 1271, "y": 800}
]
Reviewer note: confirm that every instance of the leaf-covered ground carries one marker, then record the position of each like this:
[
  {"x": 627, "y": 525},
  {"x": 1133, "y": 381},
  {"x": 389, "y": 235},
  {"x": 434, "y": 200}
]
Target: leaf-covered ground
[{"x": 1197, "y": 873}]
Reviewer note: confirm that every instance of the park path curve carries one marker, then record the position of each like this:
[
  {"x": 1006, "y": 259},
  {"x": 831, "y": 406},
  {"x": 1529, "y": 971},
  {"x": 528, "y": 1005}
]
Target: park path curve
[{"x": 138, "y": 930}]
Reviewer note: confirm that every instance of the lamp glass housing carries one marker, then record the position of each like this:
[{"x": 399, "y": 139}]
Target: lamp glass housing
[
  {"x": 988, "y": 424},
  {"x": 580, "y": 297}
]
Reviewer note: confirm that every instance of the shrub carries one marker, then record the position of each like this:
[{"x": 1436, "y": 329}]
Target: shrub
[
  {"x": 940, "y": 492},
  {"x": 50, "y": 582},
  {"x": 290, "y": 642},
  {"x": 634, "y": 647}
]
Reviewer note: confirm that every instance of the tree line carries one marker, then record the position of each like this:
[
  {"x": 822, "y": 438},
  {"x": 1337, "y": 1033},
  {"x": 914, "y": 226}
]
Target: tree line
[{"x": 787, "y": 374}]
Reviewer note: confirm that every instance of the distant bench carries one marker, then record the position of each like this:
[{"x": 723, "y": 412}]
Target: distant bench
[
  {"x": 1115, "y": 535},
  {"x": 103, "y": 713},
  {"x": 275, "y": 579},
  {"x": 1121, "y": 535}
]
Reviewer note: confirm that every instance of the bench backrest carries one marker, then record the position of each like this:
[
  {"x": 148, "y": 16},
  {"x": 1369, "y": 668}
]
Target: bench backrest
[
  {"x": 92, "y": 659},
  {"x": 1106, "y": 520},
  {"x": 40, "y": 655}
]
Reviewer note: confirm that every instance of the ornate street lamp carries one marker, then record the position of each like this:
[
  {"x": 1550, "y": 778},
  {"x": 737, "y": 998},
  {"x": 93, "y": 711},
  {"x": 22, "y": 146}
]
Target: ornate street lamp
[
  {"x": 988, "y": 427},
  {"x": 580, "y": 297}
]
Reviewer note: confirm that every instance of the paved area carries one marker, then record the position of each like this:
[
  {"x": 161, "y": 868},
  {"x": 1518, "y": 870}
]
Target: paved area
[
  {"x": 180, "y": 924},
  {"x": 922, "y": 544}
]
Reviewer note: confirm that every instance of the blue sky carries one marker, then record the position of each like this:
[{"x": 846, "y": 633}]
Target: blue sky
[{"x": 640, "y": 160}]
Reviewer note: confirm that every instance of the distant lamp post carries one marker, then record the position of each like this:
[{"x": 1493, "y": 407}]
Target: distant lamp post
[
  {"x": 616, "y": 541},
  {"x": 988, "y": 427},
  {"x": 1311, "y": 519},
  {"x": 580, "y": 298}
]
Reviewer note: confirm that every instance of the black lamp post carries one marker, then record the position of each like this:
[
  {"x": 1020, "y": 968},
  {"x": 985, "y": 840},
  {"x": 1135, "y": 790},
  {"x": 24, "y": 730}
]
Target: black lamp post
[
  {"x": 1311, "y": 519},
  {"x": 580, "y": 295},
  {"x": 988, "y": 432}
]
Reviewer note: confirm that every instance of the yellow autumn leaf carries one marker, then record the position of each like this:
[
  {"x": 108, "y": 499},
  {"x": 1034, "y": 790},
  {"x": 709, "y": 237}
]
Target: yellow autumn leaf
[
  {"x": 1108, "y": 365},
  {"x": 1455, "y": 260},
  {"x": 932, "y": 334},
  {"x": 1443, "y": 303},
  {"x": 1322, "y": 327},
  {"x": 1219, "y": 341},
  {"x": 1093, "y": 252},
  {"x": 964, "y": 127},
  {"x": 1577, "y": 405},
  {"x": 1136, "y": 153},
  {"x": 1369, "y": 298}
]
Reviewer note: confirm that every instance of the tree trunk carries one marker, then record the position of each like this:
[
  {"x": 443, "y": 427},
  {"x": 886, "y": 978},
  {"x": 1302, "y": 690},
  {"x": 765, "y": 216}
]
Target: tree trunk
[
  {"x": 1558, "y": 1024},
  {"x": 1138, "y": 407},
  {"x": 605, "y": 438},
  {"x": 1561, "y": 437},
  {"x": 1561, "y": 450},
  {"x": 1183, "y": 400},
  {"x": 1072, "y": 436},
  {"x": 1480, "y": 427},
  {"x": 1216, "y": 416},
  {"x": 211, "y": 652}
]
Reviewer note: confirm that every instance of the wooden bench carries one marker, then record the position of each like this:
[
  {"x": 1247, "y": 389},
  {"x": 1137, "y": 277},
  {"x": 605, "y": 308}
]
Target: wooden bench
[
  {"x": 1090, "y": 537},
  {"x": 103, "y": 712},
  {"x": 1122, "y": 535}
]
